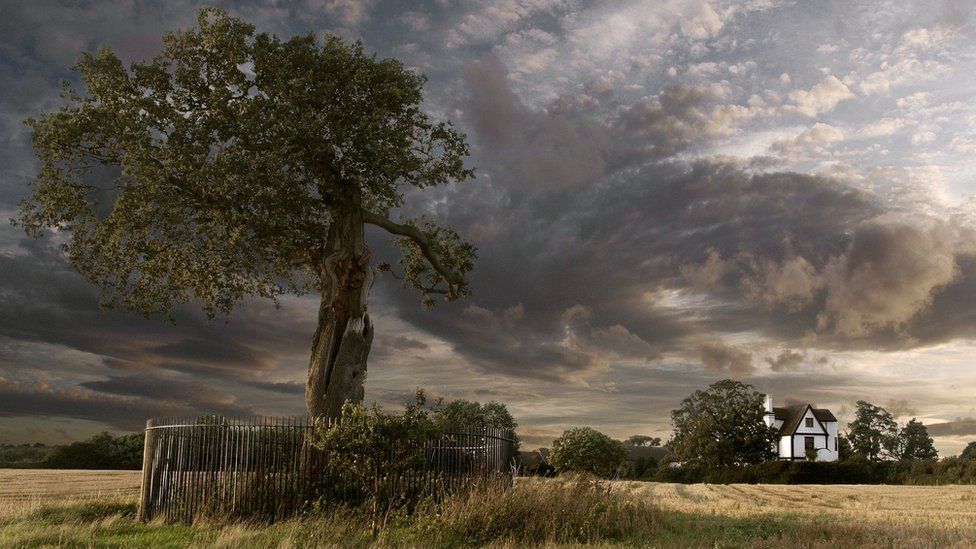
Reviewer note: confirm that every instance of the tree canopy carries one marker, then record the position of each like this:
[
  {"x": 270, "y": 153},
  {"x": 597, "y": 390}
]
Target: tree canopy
[
  {"x": 215, "y": 170},
  {"x": 236, "y": 165},
  {"x": 873, "y": 433},
  {"x": 722, "y": 425},
  {"x": 641, "y": 441},
  {"x": 586, "y": 450},
  {"x": 969, "y": 452},
  {"x": 914, "y": 442}
]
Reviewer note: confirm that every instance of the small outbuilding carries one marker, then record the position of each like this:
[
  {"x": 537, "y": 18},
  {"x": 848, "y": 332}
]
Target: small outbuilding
[{"x": 802, "y": 428}]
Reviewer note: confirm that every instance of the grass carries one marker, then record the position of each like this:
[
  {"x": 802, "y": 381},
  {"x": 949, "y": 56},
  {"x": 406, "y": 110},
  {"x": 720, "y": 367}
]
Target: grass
[{"x": 536, "y": 512}]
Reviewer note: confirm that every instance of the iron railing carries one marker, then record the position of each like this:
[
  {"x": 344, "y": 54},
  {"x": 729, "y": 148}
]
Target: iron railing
[{"x": 266, "y": 468}]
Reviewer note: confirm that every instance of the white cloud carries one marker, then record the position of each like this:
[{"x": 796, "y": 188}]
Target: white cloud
[
  {"x": 923, "y": 136},
  {"x": 882, "y": 127},
  {"x": 705, "y": 24},
  {"x": 822, "y": 98},
  {"x": 813, "y": 141}
]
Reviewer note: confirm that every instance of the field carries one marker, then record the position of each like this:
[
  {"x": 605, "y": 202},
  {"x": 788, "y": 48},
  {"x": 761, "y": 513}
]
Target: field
[{"x": 95, "y": 508}]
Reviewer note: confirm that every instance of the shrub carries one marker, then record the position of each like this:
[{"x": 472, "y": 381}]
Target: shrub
[
  {"x": 586, "y": 450},
  {"x": 369, "y": 450}
]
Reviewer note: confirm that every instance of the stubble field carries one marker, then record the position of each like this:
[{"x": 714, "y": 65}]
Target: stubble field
[{"x": 95, "y": 508}]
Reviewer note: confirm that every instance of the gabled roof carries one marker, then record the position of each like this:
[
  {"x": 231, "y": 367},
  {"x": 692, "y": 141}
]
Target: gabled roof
[
  {"x": 793, "y": 415},
  {"x": 823, "y": 415}
]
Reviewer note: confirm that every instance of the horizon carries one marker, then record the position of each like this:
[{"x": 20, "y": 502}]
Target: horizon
[{"x": 666, "y": 194}]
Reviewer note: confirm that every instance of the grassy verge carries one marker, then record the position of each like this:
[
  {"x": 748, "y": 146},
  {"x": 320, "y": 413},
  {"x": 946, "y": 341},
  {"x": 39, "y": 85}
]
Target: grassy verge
[{"x": 552, "y": 514}]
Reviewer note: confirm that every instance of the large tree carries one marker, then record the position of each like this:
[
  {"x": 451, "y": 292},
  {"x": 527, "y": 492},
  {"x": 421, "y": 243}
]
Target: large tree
[
  {"x": 873, "y": 433},
  {"x": 722, "y": 425},
  {"x": 237, "y": 164},
  {"x": 914, "y": 442}
]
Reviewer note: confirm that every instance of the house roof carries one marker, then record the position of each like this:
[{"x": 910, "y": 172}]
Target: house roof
[
  {"x": 823, "y": 415},
  {"x": 792, "y": 416}
]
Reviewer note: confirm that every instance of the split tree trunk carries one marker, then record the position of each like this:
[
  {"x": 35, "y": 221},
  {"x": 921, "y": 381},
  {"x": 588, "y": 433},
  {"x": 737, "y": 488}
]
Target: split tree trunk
[{"x": 337, "y": 368}]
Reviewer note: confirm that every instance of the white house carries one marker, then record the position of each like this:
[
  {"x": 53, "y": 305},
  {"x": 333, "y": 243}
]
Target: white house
[{"x": 803, "y": 427}]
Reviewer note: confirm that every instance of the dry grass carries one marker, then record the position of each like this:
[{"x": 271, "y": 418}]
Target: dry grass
[
  {"x": 948, "y": 506},
  {"x": 24, "y": 490},
  {"x": 95, "y": 508}
]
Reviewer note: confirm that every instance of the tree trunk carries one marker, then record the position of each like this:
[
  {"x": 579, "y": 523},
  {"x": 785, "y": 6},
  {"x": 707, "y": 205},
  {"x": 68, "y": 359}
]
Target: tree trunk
[{"x": 337, "y": 368}]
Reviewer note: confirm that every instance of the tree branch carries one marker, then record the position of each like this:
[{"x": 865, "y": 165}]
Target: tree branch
[{"x": 454, "y": 279}]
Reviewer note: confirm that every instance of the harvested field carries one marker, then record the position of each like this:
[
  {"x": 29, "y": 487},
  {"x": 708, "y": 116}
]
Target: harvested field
[
  {"x": 950, "y": 505},
  {"x": 22, "y": 490},
  {"x": 82, "y": 508}
]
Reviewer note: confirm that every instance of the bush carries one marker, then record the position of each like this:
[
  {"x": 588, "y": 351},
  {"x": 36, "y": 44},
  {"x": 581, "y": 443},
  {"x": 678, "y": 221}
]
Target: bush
[
  {"x": 102, "y": 451},
  {"x": 369, "y": 450},
  {"x": 586, "y": 450}
]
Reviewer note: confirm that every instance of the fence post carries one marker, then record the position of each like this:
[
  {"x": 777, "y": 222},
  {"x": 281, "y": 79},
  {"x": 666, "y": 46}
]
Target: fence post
[{"x": 147, "y": 451}]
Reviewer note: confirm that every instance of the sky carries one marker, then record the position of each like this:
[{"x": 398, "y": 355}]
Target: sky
[{"x": 667, "y": 193}]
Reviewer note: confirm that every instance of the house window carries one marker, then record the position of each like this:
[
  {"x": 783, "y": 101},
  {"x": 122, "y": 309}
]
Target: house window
[
  {"x": 808, "y": 443},
  {"x": 809, "y": 422},
  {"x": 835, "y": 444}
]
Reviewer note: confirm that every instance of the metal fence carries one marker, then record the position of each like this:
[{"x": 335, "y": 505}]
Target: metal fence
[{"x": 266, "y": 467}]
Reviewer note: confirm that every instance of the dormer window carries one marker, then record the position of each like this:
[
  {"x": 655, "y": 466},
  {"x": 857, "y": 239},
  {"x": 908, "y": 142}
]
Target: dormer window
[{"x": 809, "y": 422}]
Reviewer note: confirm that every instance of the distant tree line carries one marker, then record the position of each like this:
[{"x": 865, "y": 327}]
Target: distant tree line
[
  {"x": 720, "y": 436},
  {"x": 101, "y": 451}
]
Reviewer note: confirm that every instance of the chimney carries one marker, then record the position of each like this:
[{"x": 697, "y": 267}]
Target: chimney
[{"x": 769, "y": 404}]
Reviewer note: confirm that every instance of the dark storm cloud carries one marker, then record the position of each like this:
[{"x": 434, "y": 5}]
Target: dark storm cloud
[
  {"x": 785, "y": 360},
  {"x": 403, "y": 343},
  {"x": 958, "y": 427},
  {"x": 807, "y": 260},
  {"x": 45, "y": 302},
  {"x": 624, "y": 240},
  {"x": 550, "y": 152},
  {"x": 726, "y": 359},
  {"x": 19, "y": 400},
  {"x": 188, "y": 393}
]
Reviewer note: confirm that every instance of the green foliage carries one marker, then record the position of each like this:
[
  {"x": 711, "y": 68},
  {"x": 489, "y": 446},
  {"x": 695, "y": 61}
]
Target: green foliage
[
  {"x": 722, "y": 425},
  {"x": 102, "y": 451},
  {"x": 969, "y": 452},
  {"x": 873, "y": 433},
  {"x": 462, "y": 413},
  {"x": 914, "y": 442},
  {"x": 640, "y": 441},
  {"x": 643, "y": 467},
  {"x": 24, "y": 455},
  {"x": 586, "y": 450},
  {"x": 369, "y": 449},
  {"x": 844, "y": 450},
  {"x": 213, "y": 171}
]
